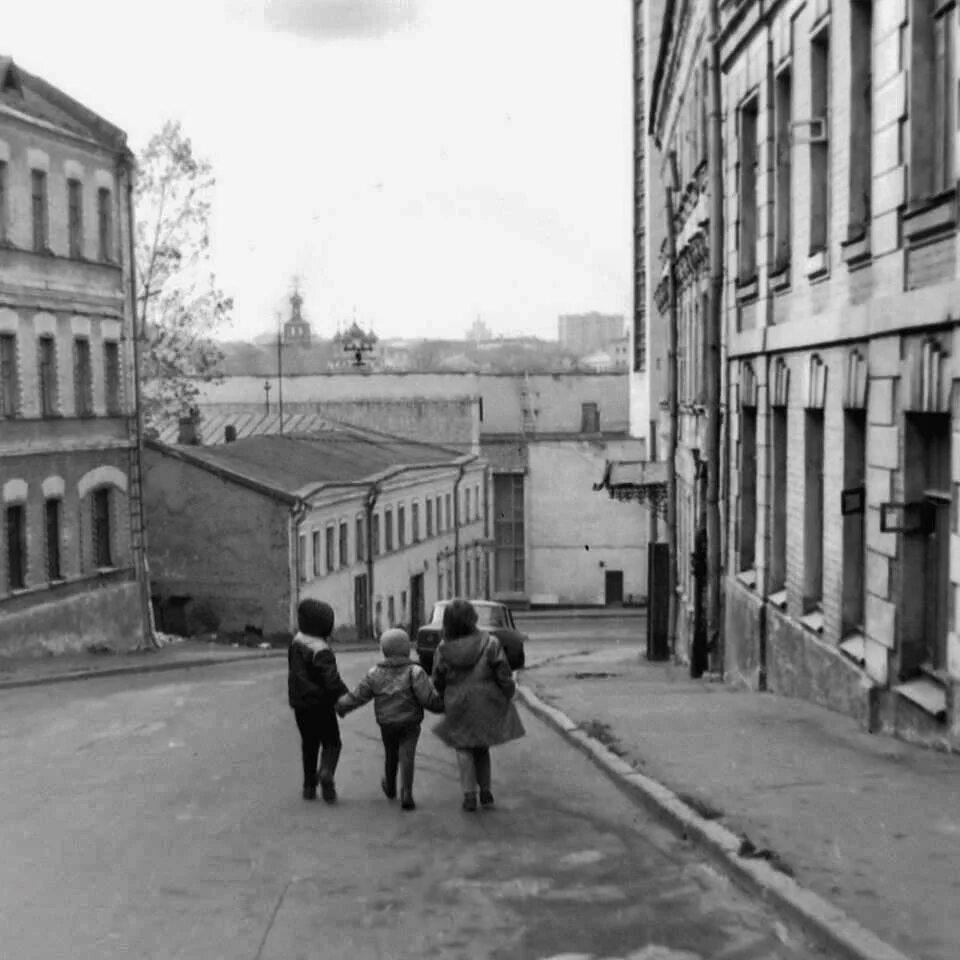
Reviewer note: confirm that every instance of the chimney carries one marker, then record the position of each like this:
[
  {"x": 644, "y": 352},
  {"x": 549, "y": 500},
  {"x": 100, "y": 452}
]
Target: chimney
[
  {"x": 189, "y": 434},
  {"x": 229, "y": 433}
]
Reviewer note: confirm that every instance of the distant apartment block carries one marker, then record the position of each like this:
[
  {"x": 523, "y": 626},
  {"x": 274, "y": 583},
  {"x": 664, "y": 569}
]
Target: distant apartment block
[{"x": 584, "y": 333}]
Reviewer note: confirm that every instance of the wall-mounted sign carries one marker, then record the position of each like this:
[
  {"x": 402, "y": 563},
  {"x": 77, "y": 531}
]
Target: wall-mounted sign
[
  {"x": 852, "y": 500},
  {"x": 915, "y": 517}
]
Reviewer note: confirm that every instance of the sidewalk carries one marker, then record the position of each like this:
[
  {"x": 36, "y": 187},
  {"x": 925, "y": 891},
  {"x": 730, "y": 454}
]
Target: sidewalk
[{"x": 870, "y": 824}]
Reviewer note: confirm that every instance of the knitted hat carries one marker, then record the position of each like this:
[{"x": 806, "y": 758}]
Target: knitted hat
[
  {"x": 315, "y": 618},
  {"x": 395, "y": 643}
]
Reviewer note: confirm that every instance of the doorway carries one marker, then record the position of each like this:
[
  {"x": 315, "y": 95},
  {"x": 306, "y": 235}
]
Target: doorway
[
  {"x": 613, "y": 588},
  {"x": 360, "y": 608},
  {"x": 416, "y": 604}
]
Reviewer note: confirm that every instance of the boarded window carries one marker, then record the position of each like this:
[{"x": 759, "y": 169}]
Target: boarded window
[
  {"x": 38, "y": 206},
  {"x": 16, "y": 546},
  {"x": 9, "y": 381},
  {"x": 102, "y": 535},
  {"x": 75, "y": 217}
]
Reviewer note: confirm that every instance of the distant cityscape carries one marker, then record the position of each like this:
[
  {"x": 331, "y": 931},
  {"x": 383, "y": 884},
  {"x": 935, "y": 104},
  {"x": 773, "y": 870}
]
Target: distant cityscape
[{"x": 589, "y": 343}]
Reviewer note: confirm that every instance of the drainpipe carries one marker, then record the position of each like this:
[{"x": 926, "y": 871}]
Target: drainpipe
[
  {"x": 297, "y": 512},
  {"x": 672, "y": 566},
  {"x": 714, "y": 327},
  {"x": 125, "y": 169},
  {"x": 488, "y": 565},
  {"x": 456, "y": 520},
  {"x": 370, "y": 503}
]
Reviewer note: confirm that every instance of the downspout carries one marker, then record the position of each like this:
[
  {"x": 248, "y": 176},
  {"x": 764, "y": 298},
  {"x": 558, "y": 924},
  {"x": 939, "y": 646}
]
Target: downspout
[
  {"x": 672, "y": 565},
  {"x": 297, "y": 512},
  {"x": 488, "y": 565},
  {"x": 373, "y": 494},
  {"x": 713, "y": 338},
  {"x": 456, "y": 520},
  {"x": 141, "y": 561}
]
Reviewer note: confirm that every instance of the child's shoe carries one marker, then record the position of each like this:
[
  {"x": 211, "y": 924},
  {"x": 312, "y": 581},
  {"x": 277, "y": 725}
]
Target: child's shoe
[
  {"x": 328, "y": 791},
  {"x": 309, "y": 793},
  {"x": 390, "y": 792},
  {"x": 470, "y": 802},
  {"x": 486, "y": 798},
  {"x": 406, "y": 801}
]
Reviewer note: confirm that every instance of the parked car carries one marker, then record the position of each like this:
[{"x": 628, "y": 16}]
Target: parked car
[{"x": 493, "y": 618}]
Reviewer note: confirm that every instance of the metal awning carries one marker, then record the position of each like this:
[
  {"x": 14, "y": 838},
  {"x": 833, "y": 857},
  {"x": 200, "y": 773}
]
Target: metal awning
[{"x": 641, "y": 481}]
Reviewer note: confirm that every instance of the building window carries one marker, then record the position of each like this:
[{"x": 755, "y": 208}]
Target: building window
[
  {"x": 38, "y": 188},
  {"x": 509, "y": 532},
  {"x": 3, "y": 201},
  {"x": 854, "y": 544},
  {"x": 9, "y": 383},
  {"x": 111, "y": 376},
  {"x": 102, "y": 540},
  {"x": 813, "y": 512},
  {"x": 16, "y": 546},
  {"x": 317, "y": 551},
  {"x": 820, "y": 141},
  {"x": 783, "y": 116},
  {"x": 415, "y": 522},
  {"x": 466, "y": 505},
  {"x": 748, "y": 487},
  {"x": 387, "y": 530},
  {"x": 52, "y": 511},
  {"x": 401, "y": 527},
  {"x": 476, "y": 503},
  {"x": 344, "y": 555},
  {"x": 104, "y": 225},
  {"x": 448, "y": 511},
  {"x": 82, "y": 377},
  {"x": 749, "y": 155},
  {"x": 375, "y": 534},
  {"x": 861, "y": 117},
  {"x": 468, "y": 585},
  {"x": 778, "y": 504},
  {"x": 439, "y": 582},
  {"x": 391, "y": 612},
  {"x": 302, "y": 558},
  {"x": 428, "y": 504},
  {"x": 589, "y": 418},
  {"x": 331, "y": 544},
  {"x": 48, "y": 376},
  {"x": 75, "y": 217},
  {"x": 361, "y": 551}
]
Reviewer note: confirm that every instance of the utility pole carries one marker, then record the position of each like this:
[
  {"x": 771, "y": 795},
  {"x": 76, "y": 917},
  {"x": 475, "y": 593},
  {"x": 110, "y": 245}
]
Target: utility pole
[
  {"x": 672, "y": 186},
  {"x": 280, "y": 369},
  {"x": 714, "y": 336}
]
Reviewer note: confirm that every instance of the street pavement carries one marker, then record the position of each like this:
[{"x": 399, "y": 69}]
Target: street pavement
[
  {"x": 159, "y": 815},
  {"x": 869, "y": 823}
]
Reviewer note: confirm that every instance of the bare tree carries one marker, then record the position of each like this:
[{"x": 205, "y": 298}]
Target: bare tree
[{"x": 179, "y": 303}]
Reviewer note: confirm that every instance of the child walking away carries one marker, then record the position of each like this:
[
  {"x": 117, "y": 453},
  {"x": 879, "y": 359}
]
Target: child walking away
[
  {"x": 400, "y": 690},
  {"x": 314, "y": 685}
]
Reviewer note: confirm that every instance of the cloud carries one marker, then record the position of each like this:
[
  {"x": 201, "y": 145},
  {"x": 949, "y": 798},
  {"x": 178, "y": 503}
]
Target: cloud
[{"x": 339, "y": 19}]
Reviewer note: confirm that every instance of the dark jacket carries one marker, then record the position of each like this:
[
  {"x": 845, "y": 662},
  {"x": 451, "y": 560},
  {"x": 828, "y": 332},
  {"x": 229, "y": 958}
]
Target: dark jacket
[
  {"x": 313, "y": 681},
  {"x": 399, "y": 690},
  {"x": 474, "y": 678}
]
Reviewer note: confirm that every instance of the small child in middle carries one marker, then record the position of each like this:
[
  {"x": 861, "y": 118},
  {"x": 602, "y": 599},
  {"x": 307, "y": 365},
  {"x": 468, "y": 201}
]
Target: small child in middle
[{"x": 400, "y": 689}]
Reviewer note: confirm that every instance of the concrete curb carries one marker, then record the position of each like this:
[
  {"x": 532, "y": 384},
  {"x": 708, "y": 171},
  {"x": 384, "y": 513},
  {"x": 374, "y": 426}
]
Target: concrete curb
[{"x": 822, "y": 921}]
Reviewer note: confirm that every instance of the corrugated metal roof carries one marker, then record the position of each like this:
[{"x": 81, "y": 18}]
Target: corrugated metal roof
[{"x": 290, "y": 461}]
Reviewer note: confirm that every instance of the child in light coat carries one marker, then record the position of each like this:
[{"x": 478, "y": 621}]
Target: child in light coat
[{"x": 400, "y": 689}]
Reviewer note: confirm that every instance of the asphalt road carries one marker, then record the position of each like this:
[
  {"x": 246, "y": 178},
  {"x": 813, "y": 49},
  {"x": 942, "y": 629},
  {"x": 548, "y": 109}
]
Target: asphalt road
[{"x": 160, "y": 817}]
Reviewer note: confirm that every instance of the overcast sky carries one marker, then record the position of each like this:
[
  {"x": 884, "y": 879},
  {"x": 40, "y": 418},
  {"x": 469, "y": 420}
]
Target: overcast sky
[{"x": 419, "y": 162}]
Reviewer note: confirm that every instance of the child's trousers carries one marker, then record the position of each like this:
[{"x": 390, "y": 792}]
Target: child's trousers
[
  {"x": 318, "y": 728},
  {"x": 400, "y": 750},
  {"x": 474, "y": 763}
]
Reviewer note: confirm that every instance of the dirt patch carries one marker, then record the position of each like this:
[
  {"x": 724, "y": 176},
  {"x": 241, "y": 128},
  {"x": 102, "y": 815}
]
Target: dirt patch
[
  {"x": 601, "y": 731},
  {"x": 749, "y": 851},
  {"x": 702, "y": 807}
]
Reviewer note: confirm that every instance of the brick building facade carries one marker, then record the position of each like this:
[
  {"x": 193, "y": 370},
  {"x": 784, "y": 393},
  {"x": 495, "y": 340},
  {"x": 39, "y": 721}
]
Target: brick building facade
[
  {"x": 71, "y": 564},
  {"x": 842, "y": 279}
]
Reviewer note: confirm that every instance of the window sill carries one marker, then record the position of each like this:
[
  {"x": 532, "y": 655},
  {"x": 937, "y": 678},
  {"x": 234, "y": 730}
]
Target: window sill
[
  {"x": 855, "y": 252},
  {"x": 813, "y": 621},
  {"x": 779, "y": 599},
  {"x": 927, "y": 694},
  {"x": 780, "y": 280},
  {"x": 854, "y": 647},
  {"x": 748, "y": 578},
  {"x": 818, "y": 265},
  {"x": 747, "y": 289},
  {"x": 936, "y": 215}
]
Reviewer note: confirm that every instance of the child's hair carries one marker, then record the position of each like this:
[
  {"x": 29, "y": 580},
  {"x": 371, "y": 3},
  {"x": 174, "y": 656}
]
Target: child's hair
[
  {"x": 459, "y": 619},
  {"x": 314, "y": 617},
  {"x": 395, "y": 643}
]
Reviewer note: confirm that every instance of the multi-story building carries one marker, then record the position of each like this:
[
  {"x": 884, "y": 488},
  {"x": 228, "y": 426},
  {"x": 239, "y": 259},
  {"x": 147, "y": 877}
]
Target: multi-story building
[
  {"x": 842, "y": 279},
  {"x": 678, "y": 128},
  {"x": 583, "y": 333},
  {"x": 72, "y": 570}
]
